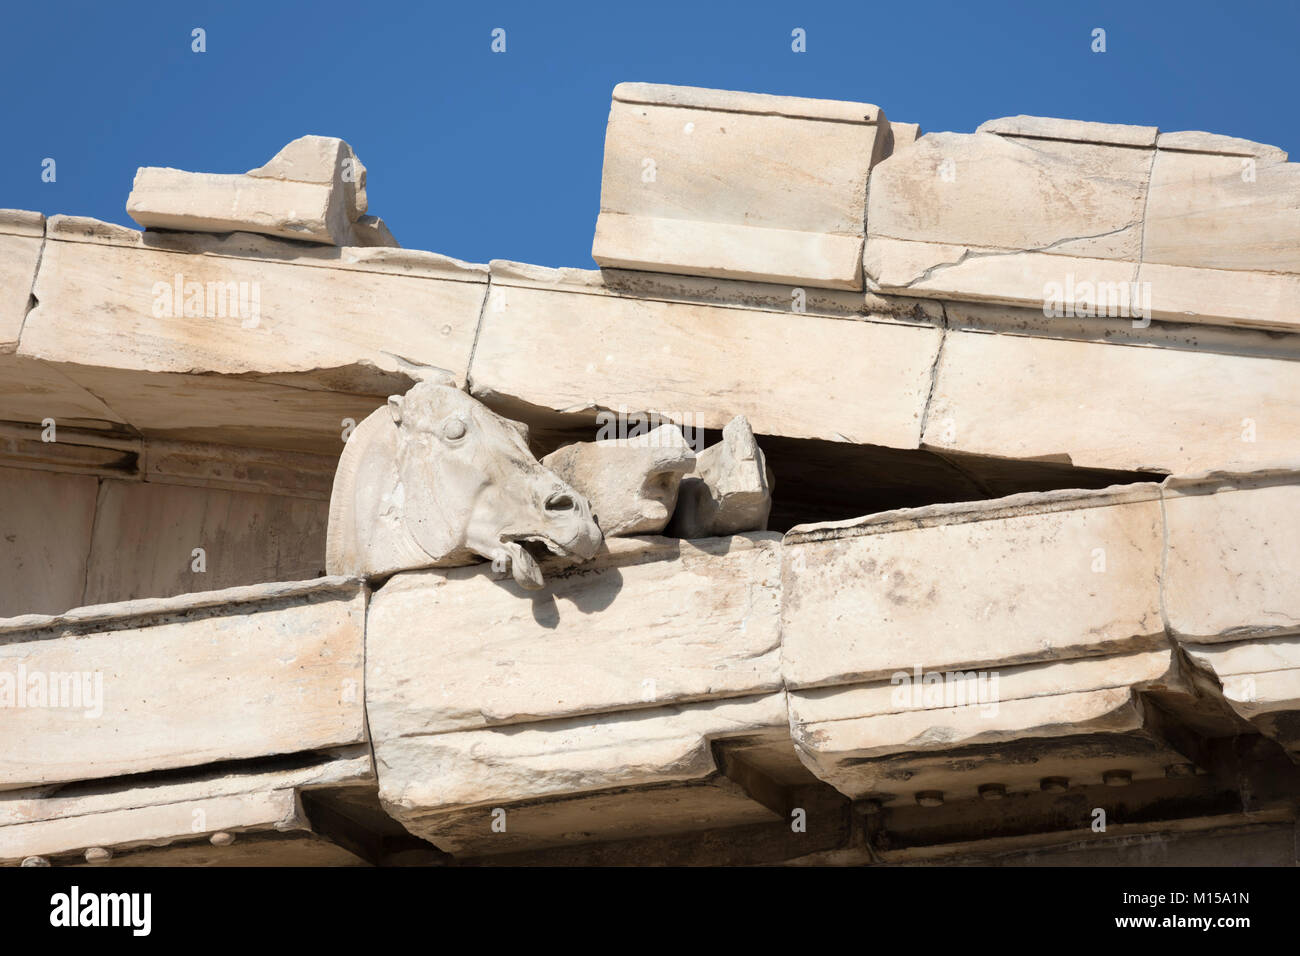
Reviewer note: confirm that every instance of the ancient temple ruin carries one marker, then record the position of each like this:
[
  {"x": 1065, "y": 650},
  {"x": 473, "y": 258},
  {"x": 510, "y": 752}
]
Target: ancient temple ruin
[{"x": 882, "y": 498}]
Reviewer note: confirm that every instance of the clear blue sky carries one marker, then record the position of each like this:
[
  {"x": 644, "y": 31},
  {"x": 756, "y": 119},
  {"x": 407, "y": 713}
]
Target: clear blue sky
[{"x": 481, "y": 155}]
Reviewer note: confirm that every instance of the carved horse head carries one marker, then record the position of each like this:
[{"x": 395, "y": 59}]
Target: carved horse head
[{"x": 437, "y": 479}]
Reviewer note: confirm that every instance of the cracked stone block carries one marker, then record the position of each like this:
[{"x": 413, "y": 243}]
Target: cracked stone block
[
  {"x": 1260, "y": 678},
  {"x": 716, "y": 352},
  {"x": 326, "y": 161},
  {"x": 1223, "y": 203},
  {"x": 21, "y": 237},
  {"x": 173, "y": 822},
  {"x": 548, "y": 783},
  {"x": 586, "y": 713},
  {"x": 1023, "y": 187},
  {"x": 648, "y": 623},
  {"x": 1109, "y": 404},
  {"x": 286, "y": 332},
  {"x": 631, "y": 483},
  {"x": 1233, "y": 569},
  {"x": 1009, "y": 727},
  {"x": 112, "y": 304},
  {"x": 1060, "y": 574},
  {"x": 150, "y": 685},
  {"x": 737, "y": 185},
  {"x": 313, "y": 190},
  {"x": 1092, "y": 218},
  {"x": 1222, "y": 236},
  {"x": 731, "y": 491}
]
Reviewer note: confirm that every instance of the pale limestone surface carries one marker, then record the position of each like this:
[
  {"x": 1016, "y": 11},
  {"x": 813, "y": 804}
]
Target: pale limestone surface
[
  {"x": 736, "y": 185},
  {"x": 1080, "y": 131},
  {"x": 653, "y": 621},
  {"x": 1233, "y": 569},
  {"x": 1080, "y": 719},
  {"x": 620, "y": 676},
  {"x": 1212, "y": 211},
  {"x": 702, "y": 356},
  {"x": 1204, "y": 223},
  {"x": 1260, "y": 680},
  {"x": 731, "y": 490},
  {"x": 313, "y": 190},
  {"x": 631, "y": 483},
  {"x": 324, "y": 160},
  {"x": 910, "y": 198},
  {"x": 868, "y": 597},
  {"x": 289, "y": 662},
  {"x": 436, "y": 479},
  {"x": 147, "y": 817},
  {"x": 21, "y": 238},
  {"x": 424, "y": 780},
  {"x": 111, "y": 305},
  {"x": 1104, "y": 405}
]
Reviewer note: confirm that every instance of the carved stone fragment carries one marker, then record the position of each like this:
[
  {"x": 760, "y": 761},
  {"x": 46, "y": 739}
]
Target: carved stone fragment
[
  {"x": 436, "y": 479},
  {"x": 631, "y": 483},
  {"x": 731, "y": 491}
]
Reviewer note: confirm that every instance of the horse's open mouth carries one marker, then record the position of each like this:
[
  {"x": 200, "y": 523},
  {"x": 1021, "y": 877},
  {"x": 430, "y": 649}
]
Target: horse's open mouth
[{"x": 524, "y": 552}]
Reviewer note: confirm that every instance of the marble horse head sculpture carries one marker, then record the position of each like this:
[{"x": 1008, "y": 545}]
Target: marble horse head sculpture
[{"x": 436, "y": 479}]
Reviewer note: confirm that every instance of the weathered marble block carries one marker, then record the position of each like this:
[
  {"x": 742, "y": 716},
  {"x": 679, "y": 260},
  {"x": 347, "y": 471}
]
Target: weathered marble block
[
  {"x": 1090, "y": 218},
  {"x": 1222, "y": 241},
  {"x": 146, "y": 534},
  {"x": 113, "y": 299},
  {"x": 578, "y": 780},
  {"x": 313, "y": 190},
  {"x": 1026, "y": 578},
  {"x": 1233, "y": 568},
  {"x": 1075, "y": 721},
  {"x": 999, "y": 213},
  {"x": 620, "y": 676},
  {"x": 45, "y": 526},
  {"x": 151, "y": 685},
  {"x": 173, "y": 822},
  {"x": 701, "y": 352},
  {"x": 1105, "y": 403},
  {"x": 21, "y": 236},
  {"x": 737, "y": 185},
  {"x": 268, "y": 343},
  {"x": 1260, "y": 678},
  {"x": 650, "y": 621}
]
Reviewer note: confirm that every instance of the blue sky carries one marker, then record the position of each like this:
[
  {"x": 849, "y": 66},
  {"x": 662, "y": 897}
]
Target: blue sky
[{"x": 481, "y": 155}]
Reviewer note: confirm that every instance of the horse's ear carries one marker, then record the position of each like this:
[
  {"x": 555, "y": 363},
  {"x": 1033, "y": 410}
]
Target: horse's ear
[
  {"x": 395, "y": 408},
  {"x": 519, "y": 427}
]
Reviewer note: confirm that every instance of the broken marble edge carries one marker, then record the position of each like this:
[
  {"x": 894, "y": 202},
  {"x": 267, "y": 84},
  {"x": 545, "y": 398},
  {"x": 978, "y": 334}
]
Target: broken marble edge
[
  {"x": 224, "y": 601},
  {"x": 22, "y": 222},
  {"x": 717, "y": 292},
  {"x": 251, "y": 245},
  {"x": 735, "y": 101}
]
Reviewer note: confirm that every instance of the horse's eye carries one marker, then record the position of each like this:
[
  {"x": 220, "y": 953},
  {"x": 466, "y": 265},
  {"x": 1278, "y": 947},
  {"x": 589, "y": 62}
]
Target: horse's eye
[{"x": 454, "y": 429}]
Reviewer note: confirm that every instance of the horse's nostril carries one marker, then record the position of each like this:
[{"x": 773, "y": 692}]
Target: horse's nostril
[{"x": 560, "y": 502}]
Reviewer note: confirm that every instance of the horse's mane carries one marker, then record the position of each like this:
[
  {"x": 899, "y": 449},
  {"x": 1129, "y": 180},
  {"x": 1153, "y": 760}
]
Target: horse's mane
[{"x": 341, "y": 533}]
